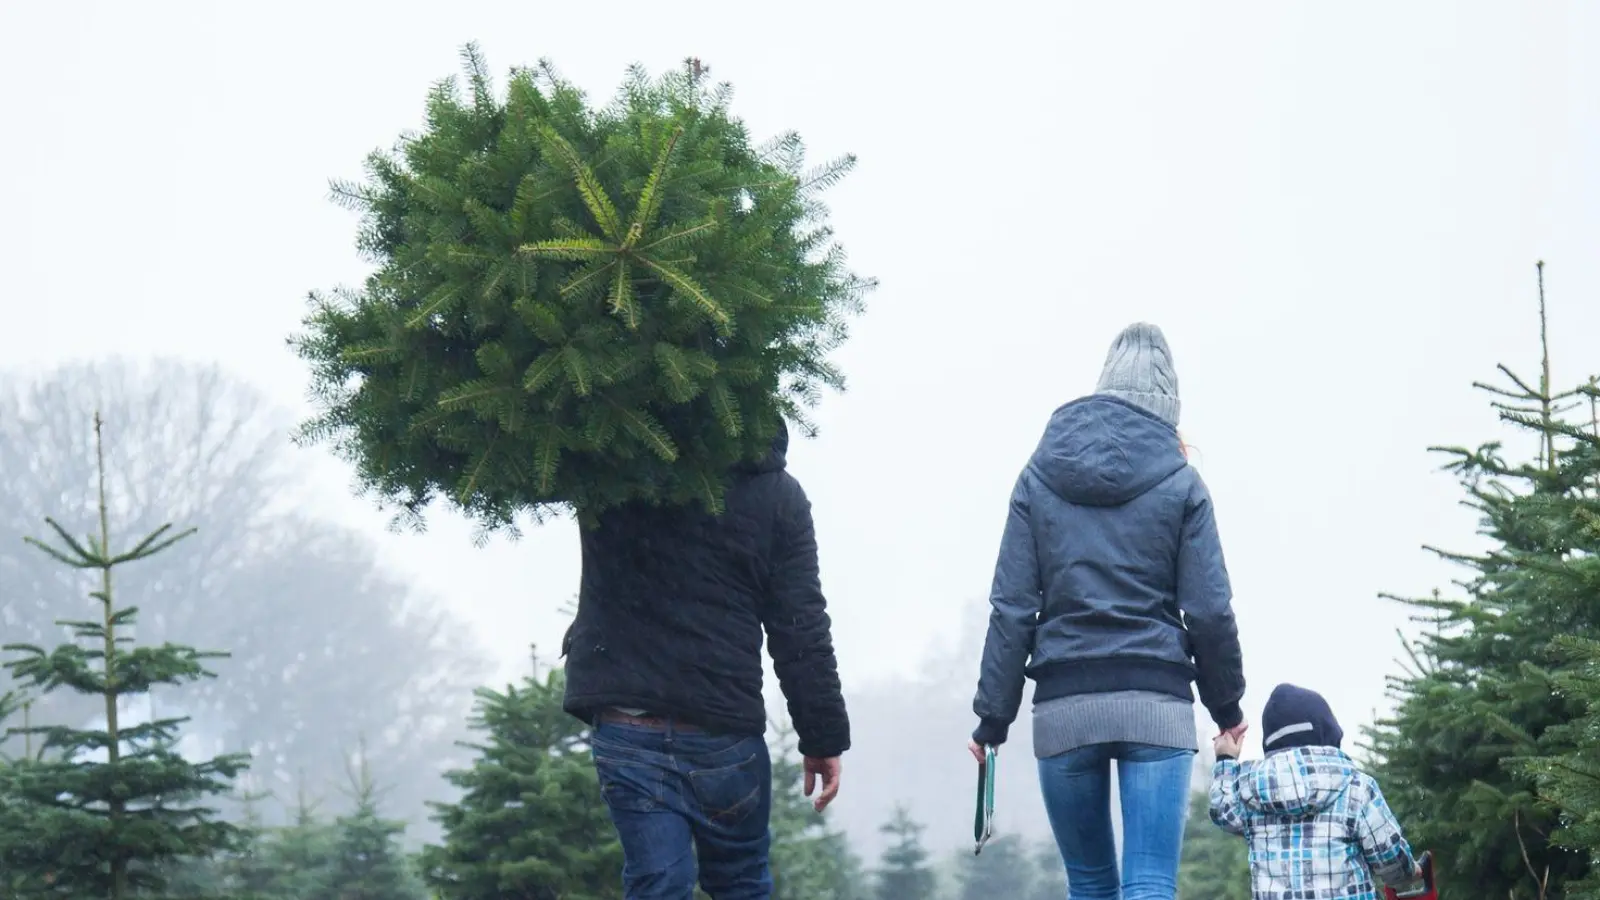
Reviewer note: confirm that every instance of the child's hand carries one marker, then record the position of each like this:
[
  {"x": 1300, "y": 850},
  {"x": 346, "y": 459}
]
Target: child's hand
[{"x": 1229, "y": 743}]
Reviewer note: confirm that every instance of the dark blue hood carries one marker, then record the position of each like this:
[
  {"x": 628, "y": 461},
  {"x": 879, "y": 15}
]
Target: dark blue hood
[
  {"x": 1101, "y": 451},
  {"x": 1297, "y": 717}
]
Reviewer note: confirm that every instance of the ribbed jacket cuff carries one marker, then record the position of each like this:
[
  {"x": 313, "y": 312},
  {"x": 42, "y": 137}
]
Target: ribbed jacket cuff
[
  {"x": 1227, "y": 716},
  {"x": 991, "y": 732},
  {"x": 825, "y": 748}
]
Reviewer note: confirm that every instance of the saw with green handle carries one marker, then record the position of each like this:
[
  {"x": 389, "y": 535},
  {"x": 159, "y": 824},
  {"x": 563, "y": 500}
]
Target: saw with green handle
[{"x": 983, "y": 820}]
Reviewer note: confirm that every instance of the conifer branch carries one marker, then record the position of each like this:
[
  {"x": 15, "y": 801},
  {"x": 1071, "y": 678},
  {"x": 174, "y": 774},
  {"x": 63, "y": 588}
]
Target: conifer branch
[{"x": 650, "y": 197}]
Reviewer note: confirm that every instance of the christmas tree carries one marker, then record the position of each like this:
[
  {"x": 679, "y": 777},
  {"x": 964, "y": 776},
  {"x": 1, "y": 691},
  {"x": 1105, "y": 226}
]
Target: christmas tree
[
  {"x": 1002, "y": 870},
  {"x": 530, "y": 821},
  {"x": 1570, "y": 781},
  {"x": 1215, "y": 864},
  {"x": 366, "y": 861},
  {"x": 1050, "y": 882},
  {"x": 1481, "y": 691},
  {"x": 810, "y": 860},
  {"x": 101, "y": 812},
  {"x": 904, "y": 871},
  {"x": 250, "y": 870},
  {"x": 577, "y": 307},
  {"x": 300, "y": 855}
]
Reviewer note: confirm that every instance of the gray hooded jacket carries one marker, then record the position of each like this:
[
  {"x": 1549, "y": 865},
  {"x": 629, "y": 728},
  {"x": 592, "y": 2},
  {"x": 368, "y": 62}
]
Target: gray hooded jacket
[{"x": 1110, "y": 575}]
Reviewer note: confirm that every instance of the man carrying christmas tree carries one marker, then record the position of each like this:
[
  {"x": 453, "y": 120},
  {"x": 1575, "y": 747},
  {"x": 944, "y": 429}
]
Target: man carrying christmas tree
[{"x": 664, "y": 660}]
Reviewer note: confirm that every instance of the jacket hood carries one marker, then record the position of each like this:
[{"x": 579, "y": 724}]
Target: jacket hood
[
  {"x": 1299, "y": 782},
  {"x": 777, "y": 457},
  {"x": 1296, "y": 717},
  {"x": 1103, "y": 451}
]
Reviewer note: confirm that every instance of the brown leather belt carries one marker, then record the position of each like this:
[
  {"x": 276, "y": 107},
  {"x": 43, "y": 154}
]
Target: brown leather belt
[{"x": 618, "y": 717}]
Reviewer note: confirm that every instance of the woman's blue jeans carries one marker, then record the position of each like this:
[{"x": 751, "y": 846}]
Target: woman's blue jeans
[{"x": 1154, "y": 784}]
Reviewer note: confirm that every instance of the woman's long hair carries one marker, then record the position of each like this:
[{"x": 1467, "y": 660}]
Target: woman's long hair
[{"x": 1183, "y": 446}]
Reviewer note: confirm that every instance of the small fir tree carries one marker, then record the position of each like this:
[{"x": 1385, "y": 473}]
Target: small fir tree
[
  {"x": 576, "y": 306},
  {"x": 1482, "y": 691},
  {"x": 241, "y": 873},
  {"x": 1002, "y": 870},
  {"x": 108, "y": 827},
  {"x": 366, "y": 860},
  {"x": 810, "y": 859},
  {"x": 1215, "y": 865},
  {"x": 530, "y": 821},
  {"x": 300, "y": 855},
  {"x": 250, "y": 869},
  {"x": 1050, "y": 881},
  {"x": 903, "y": 870}
]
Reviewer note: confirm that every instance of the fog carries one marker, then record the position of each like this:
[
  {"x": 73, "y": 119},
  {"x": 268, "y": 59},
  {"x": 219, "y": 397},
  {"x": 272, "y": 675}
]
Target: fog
[{"x": 1335, "y": 222}]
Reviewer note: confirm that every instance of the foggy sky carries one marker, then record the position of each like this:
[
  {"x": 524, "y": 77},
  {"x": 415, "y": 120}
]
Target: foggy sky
[{"x": 1333, "y": 211}]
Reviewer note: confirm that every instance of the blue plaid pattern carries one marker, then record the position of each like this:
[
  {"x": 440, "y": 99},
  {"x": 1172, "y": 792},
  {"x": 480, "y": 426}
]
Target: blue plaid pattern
[{"x": 1317, "y": 826}]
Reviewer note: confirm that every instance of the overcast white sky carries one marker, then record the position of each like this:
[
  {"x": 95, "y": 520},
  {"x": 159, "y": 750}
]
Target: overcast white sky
[{"x": 1333, "y": 210}]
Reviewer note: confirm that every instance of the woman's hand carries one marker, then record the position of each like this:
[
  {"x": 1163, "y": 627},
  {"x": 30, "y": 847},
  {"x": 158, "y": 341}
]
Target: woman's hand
[
  {"x": 976, "y": 749},
  {"x": 1228, "y": 744}
]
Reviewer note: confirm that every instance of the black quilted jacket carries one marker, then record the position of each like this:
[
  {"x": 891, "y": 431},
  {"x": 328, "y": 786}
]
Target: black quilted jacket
[{"x": 673, "y": 605}]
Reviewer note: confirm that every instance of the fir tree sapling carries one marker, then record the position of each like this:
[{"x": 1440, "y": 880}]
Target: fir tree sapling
[
  {"x": 367, "y": 861},
  {"x": 1002, "y": 870},
  {"x": 810, "y": 859},
  {"x": 1482, "y": 692},
  {"x": 250, "y": 869},
  {"x": 107, "y": 827},
  {"x": 574, "y": 308},
  {"x": 300, "y": 854},
  {"x": 1215, "y": 865},
  {"x": 904, "y": 871},
  {"x": 1050, "y": 870},
  {"x": 530, "y": 821}
]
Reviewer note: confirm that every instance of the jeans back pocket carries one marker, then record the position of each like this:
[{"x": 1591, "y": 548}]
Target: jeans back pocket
[{"x": 728, "y": 795}]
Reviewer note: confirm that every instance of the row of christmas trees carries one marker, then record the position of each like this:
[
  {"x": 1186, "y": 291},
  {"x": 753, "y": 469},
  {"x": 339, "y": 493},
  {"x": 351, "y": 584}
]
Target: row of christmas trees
[
  {"x": 574, "y": 308},
  {"x": 119, "y": 812},
  {"x": 1490, "y": 756}
]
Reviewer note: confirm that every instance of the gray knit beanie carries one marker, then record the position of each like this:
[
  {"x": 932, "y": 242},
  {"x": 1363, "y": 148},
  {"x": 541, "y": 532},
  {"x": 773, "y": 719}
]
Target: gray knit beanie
[{"x": 1139, "y": 370}]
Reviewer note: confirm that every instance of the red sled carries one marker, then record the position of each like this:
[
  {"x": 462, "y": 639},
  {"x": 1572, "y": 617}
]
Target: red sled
[{"x": 1423, "y": 891}]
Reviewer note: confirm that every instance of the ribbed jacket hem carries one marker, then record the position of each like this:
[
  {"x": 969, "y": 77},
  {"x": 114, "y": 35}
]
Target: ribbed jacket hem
[{"x": 1112, "y": 674}]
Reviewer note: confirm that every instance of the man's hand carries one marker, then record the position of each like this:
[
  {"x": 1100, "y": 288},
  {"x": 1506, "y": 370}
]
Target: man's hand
[
  {"x": 1230, "y": 742},
  {"x": 826, "y": 769}
]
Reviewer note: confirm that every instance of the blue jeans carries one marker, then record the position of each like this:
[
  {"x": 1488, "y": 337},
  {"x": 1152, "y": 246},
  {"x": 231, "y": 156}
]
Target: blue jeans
[
  {"x": 1154, "y": 783},
  {"x": 688, "y": 806}
]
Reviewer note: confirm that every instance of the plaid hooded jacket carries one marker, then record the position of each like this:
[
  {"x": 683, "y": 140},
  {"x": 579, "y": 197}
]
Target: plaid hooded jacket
[{"x": 1317, "y": 826}]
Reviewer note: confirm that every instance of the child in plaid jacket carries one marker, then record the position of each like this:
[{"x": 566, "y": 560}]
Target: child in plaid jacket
[{"x": 1318, "y": 827}]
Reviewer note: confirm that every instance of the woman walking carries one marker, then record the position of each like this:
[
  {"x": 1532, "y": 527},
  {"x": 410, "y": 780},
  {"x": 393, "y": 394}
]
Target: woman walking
[{"x": 1110, "y": 592}]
